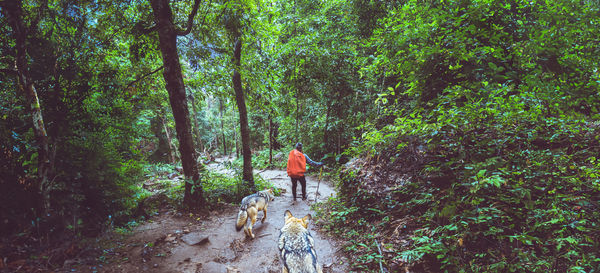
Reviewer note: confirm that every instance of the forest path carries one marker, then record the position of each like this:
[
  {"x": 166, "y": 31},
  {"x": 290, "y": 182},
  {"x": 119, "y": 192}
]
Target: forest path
[{"x": 168, "y": 242}]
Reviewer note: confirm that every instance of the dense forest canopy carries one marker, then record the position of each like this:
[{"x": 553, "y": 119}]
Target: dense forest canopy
[{"x": 465, "y": 133}]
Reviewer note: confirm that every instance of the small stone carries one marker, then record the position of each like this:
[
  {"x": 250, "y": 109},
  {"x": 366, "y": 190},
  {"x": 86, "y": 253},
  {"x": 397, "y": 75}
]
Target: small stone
[
  {"x": 232, "y": 269},
  {"x": 170, "y": 238},
  {"x": 194, "y": 239}
]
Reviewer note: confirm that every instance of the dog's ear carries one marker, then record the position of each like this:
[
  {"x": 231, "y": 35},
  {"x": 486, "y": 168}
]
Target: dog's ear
[
  {"x": 306, "y": 219},
  {"x": 287, "y": 215}
]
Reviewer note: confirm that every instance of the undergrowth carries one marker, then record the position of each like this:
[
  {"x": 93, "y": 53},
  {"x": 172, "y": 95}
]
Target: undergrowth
[
  {"x": 518, "y": 194},
  {"x": 158, "y": 191},
  {"x": 485, "y": 156}
]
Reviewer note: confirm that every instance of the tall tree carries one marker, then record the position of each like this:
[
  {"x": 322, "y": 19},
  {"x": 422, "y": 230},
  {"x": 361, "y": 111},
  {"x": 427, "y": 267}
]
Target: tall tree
[
  {"x": 196, "y": 124},
  {"x": 172, "y": 152},
  {"x": 13, "y": 11},
  {"x": 221, "y": 109},
  {"x": 234, "y": 23},
  {"x": 241, "y": 103},
  {"x": 167, "y": 34}
]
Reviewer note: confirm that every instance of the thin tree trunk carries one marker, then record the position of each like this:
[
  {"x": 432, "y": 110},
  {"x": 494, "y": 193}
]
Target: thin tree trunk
[
  {"x": 270, "y": 139},
  {"x": 169, "y": 141},
  {"x": 13, "y": 11},
  {"x": 339, "y": 144},
  {"x": 325, "y": 134},
  {"x": 217, "y": 143},
  {"x": 167, "y": 35},
  {"x": 235, "y": 137},
  {"x": 196, "y": 124},
  {"x": 297, "y": 115},
  {"x": 235, "y": 140},
  {"x": 241, "y": 103},
  {"x": 222, "y": 127}
]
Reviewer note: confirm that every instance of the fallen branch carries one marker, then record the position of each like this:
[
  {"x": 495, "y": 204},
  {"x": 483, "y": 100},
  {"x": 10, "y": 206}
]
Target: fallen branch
[
  {"x": 318, "y": 184},
  {"x": 263, "y": 235}
]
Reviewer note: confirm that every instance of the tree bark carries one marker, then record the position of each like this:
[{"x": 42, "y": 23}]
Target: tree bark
[
  {"x": 13, "y": 11},
  {"x": 162, "y": 149},
  {"x": 222, "y": 127},
  {"x": 235, "y": 140},
  {"x": 297, "y": 115},
  {"x": 270, "y": 139},
  {"x": 169, "y": 141},
  {"x": 326, "y": 128},
  {"x": 241, "y": 103},
  {"x": 217, "y": 143},
  {"x": 196, "y": 124},
  {"x": 167, "y": 35},
  {"x": 235, "y": 137}
]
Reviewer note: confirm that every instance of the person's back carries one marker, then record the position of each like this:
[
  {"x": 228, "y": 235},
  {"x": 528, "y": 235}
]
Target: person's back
[{"x": 296, "y": 166}]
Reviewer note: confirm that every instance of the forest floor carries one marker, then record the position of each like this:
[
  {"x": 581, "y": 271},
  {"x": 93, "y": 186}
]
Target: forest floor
[{"x": 171, "y": 241}]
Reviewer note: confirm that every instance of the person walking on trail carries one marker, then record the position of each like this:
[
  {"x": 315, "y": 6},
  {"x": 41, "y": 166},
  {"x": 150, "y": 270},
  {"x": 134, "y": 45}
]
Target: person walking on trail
[{"x": 296, "y": 167}]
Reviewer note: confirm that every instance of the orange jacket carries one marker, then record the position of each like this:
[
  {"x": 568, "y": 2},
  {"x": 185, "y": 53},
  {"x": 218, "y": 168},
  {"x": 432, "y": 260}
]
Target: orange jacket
[{"x": 296, "y": 166}]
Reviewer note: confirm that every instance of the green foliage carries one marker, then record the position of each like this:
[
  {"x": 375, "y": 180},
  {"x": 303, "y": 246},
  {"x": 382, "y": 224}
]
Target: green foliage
[
  {"x": 356, "y": 219},
  {"x": 221, "y": 187},
  {"x": 80, "y": 77},
  {"x": 489, "y": 112},
  {"x": 260, "y": 160},
  {"x": 474, "y": 121}
]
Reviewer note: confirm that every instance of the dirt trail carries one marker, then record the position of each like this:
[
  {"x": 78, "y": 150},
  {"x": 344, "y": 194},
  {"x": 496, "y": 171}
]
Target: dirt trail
[{"x": 169, "y": 242}]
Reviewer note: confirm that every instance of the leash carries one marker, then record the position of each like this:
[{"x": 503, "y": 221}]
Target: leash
[{"x": 318, "y": 184}]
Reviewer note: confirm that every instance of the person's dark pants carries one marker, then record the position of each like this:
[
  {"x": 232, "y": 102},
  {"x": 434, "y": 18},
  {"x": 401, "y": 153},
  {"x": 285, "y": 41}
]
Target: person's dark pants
[{"x": 302, "y": 182}]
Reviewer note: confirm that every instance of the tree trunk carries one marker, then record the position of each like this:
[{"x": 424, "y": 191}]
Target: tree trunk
[
  {"x": 13, "y": 11},
  {"x": 235, "y": 140},
  {"x": 235, "y": 137},
  {"x": 167, "y": 35},
  {"x": 339, "y": 144},
  {"x": 297, "y": 115},
  {"x": 196, "y": 124},
  {"x": 222, "y": 127},
  {"x": 270, "y": 139},
  {"x": 217, "y": 143},
  {"x": 325, "y": 134},
  {"x": 241, "y": 103},
  {"x": 162, "y": 149},
  {"x": 169, "y": 141}
]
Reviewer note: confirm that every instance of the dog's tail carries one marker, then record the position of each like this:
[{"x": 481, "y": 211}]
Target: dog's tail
[{"x": 241, "y": 219}]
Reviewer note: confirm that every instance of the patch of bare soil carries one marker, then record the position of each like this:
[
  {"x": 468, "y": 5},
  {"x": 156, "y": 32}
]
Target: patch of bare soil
[{"x": 173, "y": 242}]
